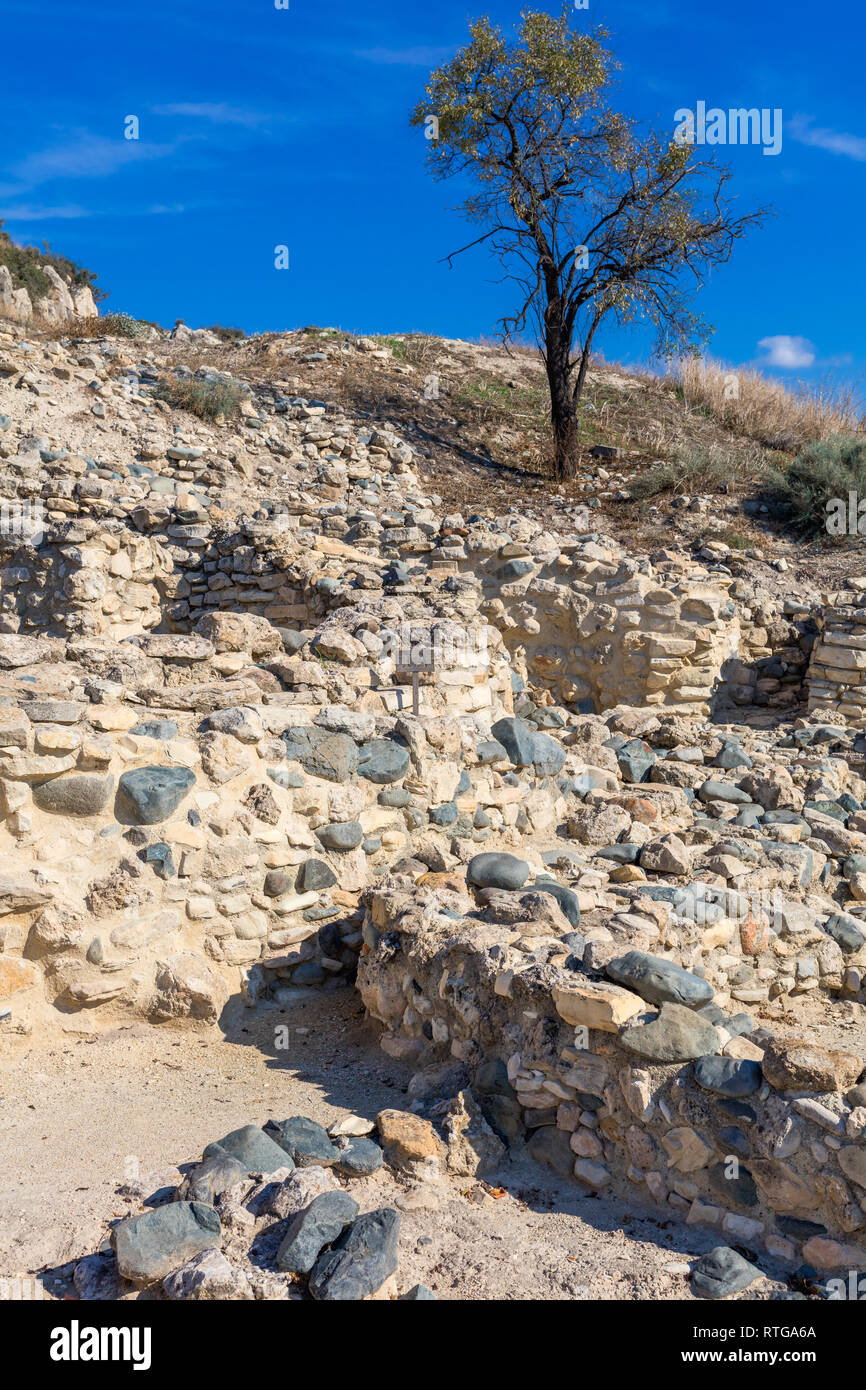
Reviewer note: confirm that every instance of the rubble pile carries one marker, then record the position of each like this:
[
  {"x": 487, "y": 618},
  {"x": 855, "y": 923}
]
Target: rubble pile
[{"x": 270, "y": 1213}]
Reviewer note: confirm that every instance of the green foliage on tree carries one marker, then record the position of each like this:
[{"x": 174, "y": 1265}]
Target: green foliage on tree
[{"x": 590, "y": 218}]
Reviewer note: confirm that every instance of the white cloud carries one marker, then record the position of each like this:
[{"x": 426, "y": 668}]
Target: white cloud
[
  {"x": 422, "y": 57},
  {"x": 218, "y": 113},
  {"x": 83, "y": 156},
  {"x": 35, "y": 212},
  {"x": 837, "y": 142},
  {"x": 785, "y": 351}
]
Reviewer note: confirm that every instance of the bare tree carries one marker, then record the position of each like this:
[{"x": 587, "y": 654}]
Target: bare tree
[{"x": 590, "y": 219}]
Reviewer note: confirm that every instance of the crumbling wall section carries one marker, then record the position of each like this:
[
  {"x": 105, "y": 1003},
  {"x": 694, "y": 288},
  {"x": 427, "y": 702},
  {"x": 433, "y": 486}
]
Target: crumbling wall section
[
  {"x": 619, "y": 1086},
  {"x": 837, "y": 670},
  {"x": 82, "y": 579}
]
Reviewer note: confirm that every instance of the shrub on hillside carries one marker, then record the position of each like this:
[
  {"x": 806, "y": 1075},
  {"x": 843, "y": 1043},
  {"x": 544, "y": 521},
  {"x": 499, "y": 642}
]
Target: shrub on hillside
[
  {"x": 821, "y": 474},
  {"x": 207, "y": 398},
  {"x": 122, "y": 326},
  {"x": 694, "y": 471},
  {"x": 108, "y": 326},
  {"x": 227, "y": 335}
]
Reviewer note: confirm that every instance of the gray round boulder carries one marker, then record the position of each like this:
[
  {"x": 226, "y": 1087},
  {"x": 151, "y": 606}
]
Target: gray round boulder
[
  {"x": 496, "y": 870},
  {"x": 383, "y": 761},
  {"x": 341, "y": 835}
]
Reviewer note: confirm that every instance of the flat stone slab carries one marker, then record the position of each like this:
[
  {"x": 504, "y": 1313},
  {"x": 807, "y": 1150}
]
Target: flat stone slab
[
  {"x": 17, "y": 895},
  {"x": 596, "y": 1004},
  {"x": 76, "y": 794},
  {"x": 54, "y": 711},
  {"x": 162, "y": 729}
]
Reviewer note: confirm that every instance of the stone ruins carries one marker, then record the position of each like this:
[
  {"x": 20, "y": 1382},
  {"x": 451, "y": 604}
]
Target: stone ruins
[{"x": 585, "y": 834}]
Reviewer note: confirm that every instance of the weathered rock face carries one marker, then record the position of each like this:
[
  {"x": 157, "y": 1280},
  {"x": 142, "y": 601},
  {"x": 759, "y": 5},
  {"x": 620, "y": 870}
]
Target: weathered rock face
[
  {"x": 796, "y": 1065},
  {"x": 82, "y": 581},
  {"x": 616, "y": 636},
  {"x": 14, "y": 304},
  {"x": 60, "y": 302}
]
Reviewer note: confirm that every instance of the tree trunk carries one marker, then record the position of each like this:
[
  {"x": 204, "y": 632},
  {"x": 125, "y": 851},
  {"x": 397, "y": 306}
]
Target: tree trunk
[{"x": 563, "y": 409}]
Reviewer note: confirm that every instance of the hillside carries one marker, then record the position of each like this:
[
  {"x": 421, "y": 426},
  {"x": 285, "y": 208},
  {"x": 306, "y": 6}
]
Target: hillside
[{"x": 476, "y": 416}]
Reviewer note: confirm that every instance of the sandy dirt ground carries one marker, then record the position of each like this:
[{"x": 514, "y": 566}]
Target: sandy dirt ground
[{"x": 84, "y": 1114}]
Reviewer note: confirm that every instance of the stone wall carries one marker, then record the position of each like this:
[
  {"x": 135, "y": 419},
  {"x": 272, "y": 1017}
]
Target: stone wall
[
  {"x": 628, "y": 1077},
  {"x": 200, "y": 802},
  {"x": 596, "y": 629},
  {"x": 82, "y": 579},
  {"x": 837, "y": 671}
]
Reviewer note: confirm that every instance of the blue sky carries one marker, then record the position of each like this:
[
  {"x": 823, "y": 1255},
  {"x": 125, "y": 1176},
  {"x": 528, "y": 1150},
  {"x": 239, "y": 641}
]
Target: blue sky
[{"x": 262, "y": 127}]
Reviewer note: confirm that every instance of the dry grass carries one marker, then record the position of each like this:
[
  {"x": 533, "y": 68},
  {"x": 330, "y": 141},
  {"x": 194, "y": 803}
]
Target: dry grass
[
  {"x": 67, "y": 328},
  {"x": 755, "y": 406},
  {"x": 417, "y": 349},
  {"x": 701, "y": 471},
  {"x": 98, "y": 326}
]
